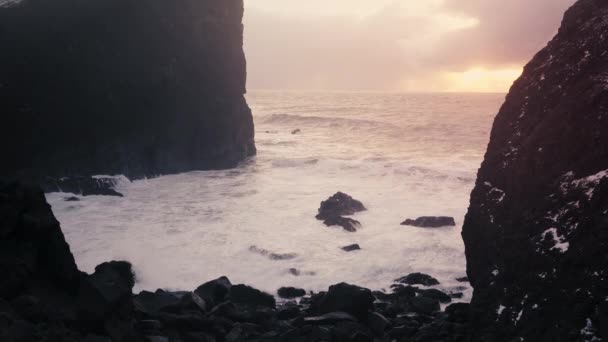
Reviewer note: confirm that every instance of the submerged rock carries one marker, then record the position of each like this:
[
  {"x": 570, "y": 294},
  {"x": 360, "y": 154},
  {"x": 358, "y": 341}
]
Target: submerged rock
[
  {"x": 349, "y": 224},
  {"x": 271, "y": 255},
  {"x": 536, "y": 230},
  {"x": 296, "y": 131},
  {"x": 430, "y": 222}
]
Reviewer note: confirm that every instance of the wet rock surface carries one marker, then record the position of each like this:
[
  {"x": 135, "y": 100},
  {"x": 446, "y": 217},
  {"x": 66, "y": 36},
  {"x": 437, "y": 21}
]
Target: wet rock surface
[
  {"x": 535, "y": 233},
  {"x": 333, "y": 210},
  {"x": 430, "y": 222}
]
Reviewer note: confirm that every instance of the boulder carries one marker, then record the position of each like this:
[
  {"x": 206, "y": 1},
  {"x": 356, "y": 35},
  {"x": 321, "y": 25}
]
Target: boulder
[
  {"x": 458, "y": 312},
  {"x": 33, "y": 250},
  {"x": 378, "y": 323},
  {"x": 214, "y": 292},
  {"x": 351, "y": 248},
  {"x": 153, "y": 303},
  {"x": 107, "y": 291},
  {"x": 441, "y": 296},
  {"x": 291, "y": 292},
  {"x": 418, "y": 279},
  {"x": 296, "y": 131},
  {"x": 355, "y": 300},
  {"x": 246, "y": 295},
  {"x": 423, "y": 305},
  {"x": 339, "y": 204},
  {"x": 430, "y": 222}
]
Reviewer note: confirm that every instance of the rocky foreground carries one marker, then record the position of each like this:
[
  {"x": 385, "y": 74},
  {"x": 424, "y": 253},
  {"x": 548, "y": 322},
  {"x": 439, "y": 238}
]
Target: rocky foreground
[{"x": 44, "y": 297}]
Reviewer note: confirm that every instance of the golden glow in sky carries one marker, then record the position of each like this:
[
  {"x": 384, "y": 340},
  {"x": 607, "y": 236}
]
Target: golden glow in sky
[
  {"x": 395, "y": 45},
  {"x": 480, "y": 80}
]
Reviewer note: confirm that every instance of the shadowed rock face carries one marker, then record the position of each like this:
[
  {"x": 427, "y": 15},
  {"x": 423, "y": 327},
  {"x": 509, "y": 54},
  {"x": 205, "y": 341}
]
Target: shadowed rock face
[
  {"x": 536, "y": 232},
  {"x": 128, "y": 87}
]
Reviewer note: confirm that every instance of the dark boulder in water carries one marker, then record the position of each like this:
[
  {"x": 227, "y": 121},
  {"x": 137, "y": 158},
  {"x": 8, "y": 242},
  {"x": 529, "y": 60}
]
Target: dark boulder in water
[
  {"x": 349, "y": 224},
  {"x": 418, "y": 279},
  {"x": 351, "y": 248},
  {"x": 71, "y": 199},
  {"x": 296, "y": 131},
  {"x": 271, "y": 255},
  {"x": 536, "y": 230},
  {"x": 157, "y": 91},
  {"x": 339, "y": 204},
  {"x": 352, "y": 299},
  {"x": 80, "y": 185},
  {"x": 291, "y": 292},
  {"x": 430, "y": 222},
  {"x": 334, "y": 208}
]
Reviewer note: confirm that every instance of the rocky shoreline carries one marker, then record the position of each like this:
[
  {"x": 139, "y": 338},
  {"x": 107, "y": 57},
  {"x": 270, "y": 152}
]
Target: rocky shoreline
[{"x": 44, "y": 297}]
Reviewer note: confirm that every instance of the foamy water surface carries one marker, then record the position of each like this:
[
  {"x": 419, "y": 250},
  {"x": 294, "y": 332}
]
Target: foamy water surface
[{"x": 402, "y": 155}]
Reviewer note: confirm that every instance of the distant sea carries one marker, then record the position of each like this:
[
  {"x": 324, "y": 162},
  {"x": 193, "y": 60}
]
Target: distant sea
[{"x": 402, "y": 155}]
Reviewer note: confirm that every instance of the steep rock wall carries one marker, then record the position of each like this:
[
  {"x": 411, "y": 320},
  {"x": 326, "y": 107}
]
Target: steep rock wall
[
  {"x": 536, "y": 233},
  {"x": 130, "y": 87}
]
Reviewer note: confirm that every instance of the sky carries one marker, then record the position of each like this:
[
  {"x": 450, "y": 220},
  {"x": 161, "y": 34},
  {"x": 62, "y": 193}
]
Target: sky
[{"x": 395, "y": 45}]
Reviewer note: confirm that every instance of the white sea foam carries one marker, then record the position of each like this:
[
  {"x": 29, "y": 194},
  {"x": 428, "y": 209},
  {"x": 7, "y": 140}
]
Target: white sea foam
[{"x": 419, "y": 159}]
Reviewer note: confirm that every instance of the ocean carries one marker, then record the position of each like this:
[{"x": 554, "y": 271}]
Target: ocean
[{"x": 402, "y": 155}]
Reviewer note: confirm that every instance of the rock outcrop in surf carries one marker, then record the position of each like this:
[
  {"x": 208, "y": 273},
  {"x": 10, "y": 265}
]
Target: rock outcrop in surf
[
  {"x": 535, "y": 233},
  {"x": 139, "y": 88}
]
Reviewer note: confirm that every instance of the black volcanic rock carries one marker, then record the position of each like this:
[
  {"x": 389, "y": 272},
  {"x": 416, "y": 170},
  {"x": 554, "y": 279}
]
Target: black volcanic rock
[
  {"x": 535, "y": 233},
  {"x": 339, "y": 204},
  {"x": 131, "y": 87},
  {"x": 352, "y": 299},
  {"x": 33, "y": 249},
  {"x": 430, "y": 222},
  {"x": 351, "y": 248},
  {"x": 333, "y": 209},
  {"x": 291, "y": 292},
  {"x": 418, "y": 279}
]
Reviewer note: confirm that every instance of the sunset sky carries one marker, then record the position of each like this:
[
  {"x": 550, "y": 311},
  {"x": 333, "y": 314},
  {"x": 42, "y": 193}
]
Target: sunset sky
[{"x": 395, "y": 45}]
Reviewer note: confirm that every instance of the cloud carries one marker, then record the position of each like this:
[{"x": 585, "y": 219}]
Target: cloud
[
  {"x": 389, "y": 44},
  {"x": 508, "y": 32}
]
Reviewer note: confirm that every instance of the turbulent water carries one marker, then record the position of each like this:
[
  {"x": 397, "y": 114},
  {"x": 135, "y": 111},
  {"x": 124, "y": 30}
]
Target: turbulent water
[{"x": 402, "y": 155}]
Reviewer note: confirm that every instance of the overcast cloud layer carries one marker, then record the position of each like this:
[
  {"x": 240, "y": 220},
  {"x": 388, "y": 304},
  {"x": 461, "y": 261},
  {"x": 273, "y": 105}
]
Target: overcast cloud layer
[{"x": 388, "y": 44}]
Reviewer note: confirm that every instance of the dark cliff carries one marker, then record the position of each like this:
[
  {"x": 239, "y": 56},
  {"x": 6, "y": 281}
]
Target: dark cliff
[
  {"x": 536, "y": 233},
  {"x": 129, "y": 87}
]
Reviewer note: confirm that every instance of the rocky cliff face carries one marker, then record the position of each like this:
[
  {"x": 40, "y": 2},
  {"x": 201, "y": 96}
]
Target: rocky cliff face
[
  {"x": 122, "y": 87},
  {"x": 536, "y": 233}
]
